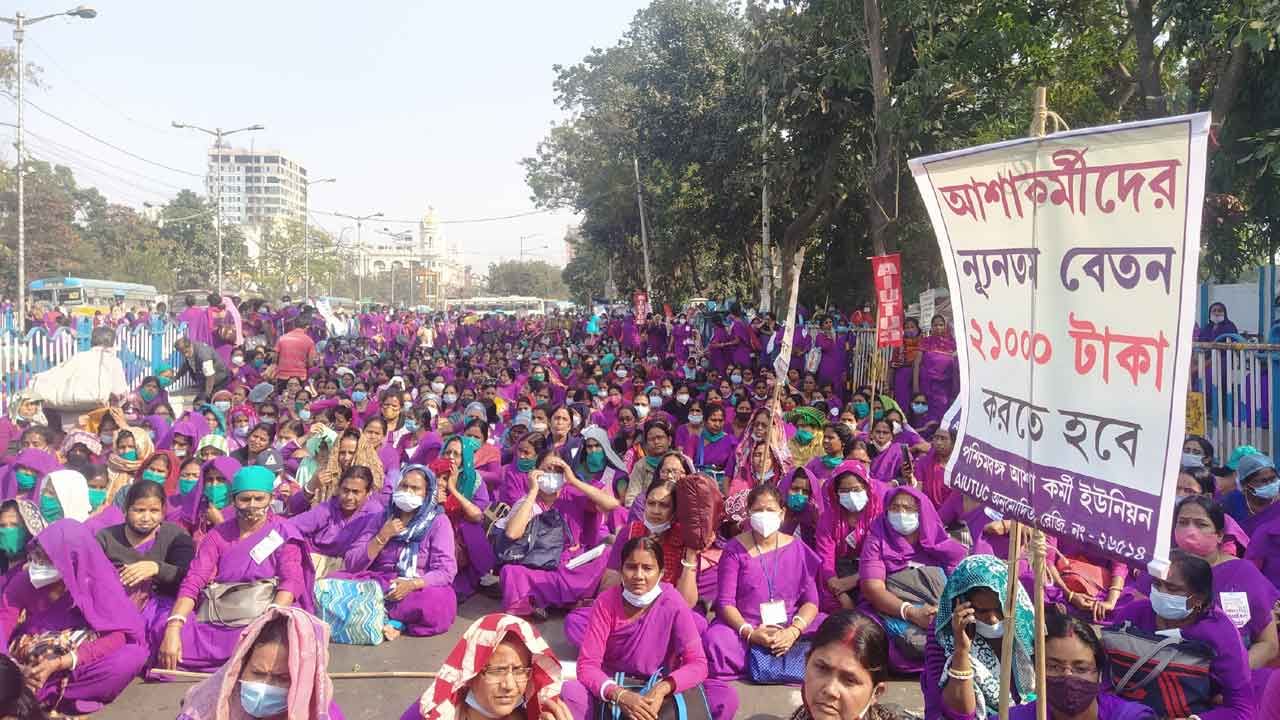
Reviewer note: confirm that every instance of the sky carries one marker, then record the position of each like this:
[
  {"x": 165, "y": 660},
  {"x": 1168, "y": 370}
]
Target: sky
[{"x": 407, "y": 104}]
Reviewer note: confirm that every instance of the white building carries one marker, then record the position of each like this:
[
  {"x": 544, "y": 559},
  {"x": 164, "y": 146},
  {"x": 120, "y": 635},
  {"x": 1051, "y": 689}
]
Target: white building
[{"x": 257, "y": 187}]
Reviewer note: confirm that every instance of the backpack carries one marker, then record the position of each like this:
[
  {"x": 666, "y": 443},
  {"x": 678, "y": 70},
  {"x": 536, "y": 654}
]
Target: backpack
[
  {"x": 699, "y": 510},
  {"x": 1168, "y": 675}
]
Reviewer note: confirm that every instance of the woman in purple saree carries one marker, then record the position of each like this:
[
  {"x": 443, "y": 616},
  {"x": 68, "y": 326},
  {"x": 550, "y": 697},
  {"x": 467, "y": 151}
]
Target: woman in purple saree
[
  {"x": 72, "y": 593},
  {"x": 410, "y": 554},
  {"x": 252, "y": 546},
  {"x": 937, "y": 372}
]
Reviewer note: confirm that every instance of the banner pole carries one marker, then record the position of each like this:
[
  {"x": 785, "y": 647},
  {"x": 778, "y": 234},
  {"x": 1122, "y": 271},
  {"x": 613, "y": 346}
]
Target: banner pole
[
  {"x": 1011, "y": 603},
  {"x": 1038, "y": 119}
]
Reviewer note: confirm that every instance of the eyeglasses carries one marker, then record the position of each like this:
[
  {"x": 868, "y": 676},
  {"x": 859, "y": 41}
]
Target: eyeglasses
[
  {"x": 519, "y": 673},
  {"x": 1079, "y": 669}
]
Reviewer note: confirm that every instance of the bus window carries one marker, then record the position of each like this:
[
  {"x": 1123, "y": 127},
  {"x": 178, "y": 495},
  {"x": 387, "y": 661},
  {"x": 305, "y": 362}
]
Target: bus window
[
  {"x": 43, "y": 296},
  {"x": 71, "y": 296}
]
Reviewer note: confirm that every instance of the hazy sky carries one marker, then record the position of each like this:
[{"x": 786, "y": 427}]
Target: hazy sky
[{"x": 407, "y": 104}]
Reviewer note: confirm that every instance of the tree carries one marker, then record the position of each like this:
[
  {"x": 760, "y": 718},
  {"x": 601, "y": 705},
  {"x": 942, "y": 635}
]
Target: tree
[
  {"x": 53, "y": 244},
  {"x": 535, "y": 278},
  {"x": 188, "y": 228}
]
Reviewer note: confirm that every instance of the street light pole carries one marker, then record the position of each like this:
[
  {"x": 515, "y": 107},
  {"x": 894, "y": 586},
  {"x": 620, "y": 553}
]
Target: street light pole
[
  {"x": 306, "y": 241},
  {"x": 218, "y": 134},
  {"x": 20, "y": 23},
  {"x": 360, "y": 249}
]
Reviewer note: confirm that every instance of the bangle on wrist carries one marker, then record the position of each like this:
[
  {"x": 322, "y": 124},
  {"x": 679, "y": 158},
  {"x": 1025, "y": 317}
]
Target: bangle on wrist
[
  {"x": 180, "y": 619},
  {"x": 902, "y": 610},
  {"x": 959, "y": 674},
  {"x": 748, "y": 628},
  {"x": 688, "y": 565}
]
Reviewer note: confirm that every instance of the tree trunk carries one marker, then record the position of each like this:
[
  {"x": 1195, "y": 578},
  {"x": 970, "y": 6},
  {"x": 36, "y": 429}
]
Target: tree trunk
[
  {"x": 1224, "y": 95},
  {"x": 1154, "y": 103},
  {"x": 881, "y": 190}
]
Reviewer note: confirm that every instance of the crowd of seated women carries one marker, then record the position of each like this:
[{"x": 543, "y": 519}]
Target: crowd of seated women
[{"x": 689, "y": 538}]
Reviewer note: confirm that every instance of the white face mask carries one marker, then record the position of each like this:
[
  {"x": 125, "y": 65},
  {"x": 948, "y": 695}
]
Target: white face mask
[
  {"x": 657, "y": 529},
  {"x": 642, "y": 601},
  {"x": 540, "y": 427},
  {"x": 406, "y": 501},
  {"x": 854, "y": 500},
  {"x": 766, "y": 522},
  {"x": 437, "y": 387},
  {"x": 642, "y": 411},
  {"x": 42, "y": 575},
  {"x": 682, "y": 398},
  {"x": 904, "y": 522},
  {"x": 990, "y": 632},
  {"x": 550, "y": 483},
  {"x": 695, "y": 418}
]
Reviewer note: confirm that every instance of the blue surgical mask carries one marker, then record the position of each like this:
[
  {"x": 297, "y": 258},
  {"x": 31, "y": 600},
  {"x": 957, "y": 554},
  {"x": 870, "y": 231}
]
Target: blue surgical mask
[
  {"x": 1168, "y": 606},
  {"x": 1268, "y": 491},
  {"x": 919, "y": 408},
  {"x": 411, "y": 426},
  {"x": 262, "y": 700},
  {"x": 359, "y": 396},
  {"x": 304, "y": 415}
]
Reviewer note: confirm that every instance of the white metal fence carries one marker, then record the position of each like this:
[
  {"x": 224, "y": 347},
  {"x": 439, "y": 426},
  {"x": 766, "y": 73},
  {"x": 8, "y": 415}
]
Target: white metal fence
[
  {"x": 143, "y": 350},
  {"x": 1232, "y": 395}
]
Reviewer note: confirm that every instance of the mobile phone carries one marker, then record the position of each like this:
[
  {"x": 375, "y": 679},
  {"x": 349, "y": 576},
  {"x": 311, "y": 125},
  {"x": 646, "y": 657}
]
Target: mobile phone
[{"x": 970, "y": 629}]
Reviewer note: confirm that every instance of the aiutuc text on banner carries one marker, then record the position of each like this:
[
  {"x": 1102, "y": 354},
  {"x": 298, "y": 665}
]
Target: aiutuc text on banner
[
  {"x": 1071, "y": 261},
  {"x": 887, "y": 272}
]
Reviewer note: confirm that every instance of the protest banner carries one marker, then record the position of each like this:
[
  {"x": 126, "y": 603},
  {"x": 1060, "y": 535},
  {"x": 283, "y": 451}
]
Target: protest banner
[
  {"x": 1071, "y": 261},
  {"x": 886, "y": 270}
]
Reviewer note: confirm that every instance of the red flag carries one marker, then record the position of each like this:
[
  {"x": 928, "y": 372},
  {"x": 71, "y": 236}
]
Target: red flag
[{"x": 887, "y": 271}]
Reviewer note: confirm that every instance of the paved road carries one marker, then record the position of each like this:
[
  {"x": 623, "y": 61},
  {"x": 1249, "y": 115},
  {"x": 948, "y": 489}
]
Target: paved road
[{"x": 386, "y": 699}]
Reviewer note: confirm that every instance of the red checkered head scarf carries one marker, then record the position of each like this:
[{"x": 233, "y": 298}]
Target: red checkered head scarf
[{"x": 447, "y": 695}]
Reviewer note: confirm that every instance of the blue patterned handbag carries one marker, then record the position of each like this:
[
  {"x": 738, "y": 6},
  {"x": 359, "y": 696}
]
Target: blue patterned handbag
[
  {"x": 354, "y": 610},
  {"x": 765, "y": 668}
]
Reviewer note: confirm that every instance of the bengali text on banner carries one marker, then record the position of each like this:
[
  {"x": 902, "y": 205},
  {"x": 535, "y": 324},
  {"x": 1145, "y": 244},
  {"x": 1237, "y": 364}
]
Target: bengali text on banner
[{"x": 1071, "y": 261}]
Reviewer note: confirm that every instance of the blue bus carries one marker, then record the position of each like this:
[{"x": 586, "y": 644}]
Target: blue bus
[{"x": 85, "y": 296}]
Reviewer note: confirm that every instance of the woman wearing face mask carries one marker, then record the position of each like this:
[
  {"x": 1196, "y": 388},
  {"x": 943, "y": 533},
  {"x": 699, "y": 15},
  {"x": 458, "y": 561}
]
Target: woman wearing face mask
[
  {"x": 1219, "y": 324},
  {"x": 768, "y": 595},
  {"x": 807, "y": 443},
  {"x": 1075, "y": 665},
  {"x": 65, "y": 494},
  {"x": 908, "y": 534},
  {"x": 465, "y": 498},
  {"x": 961, "y": 678},
  {"x": 1182, "y": 604},
  {"x": 14, "y": 536},
  {"x": 70, "y": 596},
  {"x": 553, "y": 484},
  {"x": 215, "y": 414},
  {"x": 133, "y": 446},
  {"x": 837, "y": 440},
  {"x": 183, "y": 437},
  {"x": 24, "y": 474},
  {"x": 711, "y": 448},
  {"x": 515, "y": 477},
  {"x": 25, "y": 409},
  {"x": 500, "y": 668},
  {"x": 936, "y": 373},
  {"x": 1240, "y": 590},
  {"x": 639, "y": 628},
  {"x": 410, "y": 553},
  {"x": 205, "y": 506},
  {"x": 276, "y": 671},
  {"x": 254, "y": 545},
  {"x": 241, "y": 419},
  {"x": 852, "y": 503},
  {"x": 151, "y": 555},
  {"x": 330, "y": 527}
]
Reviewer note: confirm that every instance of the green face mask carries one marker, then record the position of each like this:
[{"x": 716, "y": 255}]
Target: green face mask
[
  {"x": 804, "y": 437},
  {"x": 879, "y": 414},
  {"x": 13, "y": 539},
  {"x": 147, "y": 395},
  {"x": 653, "y": 462},
  {"x": 50, "y": 508},
  {"x": 97, "y": 497},
  {"x": 26, "y": 479},
  {"x": 861, "y": 409},
  {"x": 524, "y": 465},
  {"x": 186, "y": 485},
  {"x": 595, "y": 461},
  {"x": 129, "y": 455},
  {"x": 832, "y": 460},
  {"x": 216, "y": 495},
  {"x": 163, "y": 381},
  {"x": 155, "y": 477}
]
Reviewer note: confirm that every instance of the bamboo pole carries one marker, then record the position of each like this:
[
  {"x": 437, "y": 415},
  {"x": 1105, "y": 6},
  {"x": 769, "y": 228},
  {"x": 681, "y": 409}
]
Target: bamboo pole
[
  {"x": 1011, "y": 603},
  {"x": 1038, "y": 118},
  {"x": 194, "y": 676}
]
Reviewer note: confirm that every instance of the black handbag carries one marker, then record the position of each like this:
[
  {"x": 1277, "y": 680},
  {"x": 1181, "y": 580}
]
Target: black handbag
[
  {"x": 919, "y": 586},
  {"x": 541, "y": 545},
  {"x": 688, "y": 705},
  {"x": 1167, "y": 674}
]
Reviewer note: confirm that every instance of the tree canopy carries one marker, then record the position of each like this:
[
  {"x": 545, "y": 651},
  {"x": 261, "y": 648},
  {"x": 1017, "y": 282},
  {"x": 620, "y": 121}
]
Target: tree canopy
[{"x": 849, "y": 90}]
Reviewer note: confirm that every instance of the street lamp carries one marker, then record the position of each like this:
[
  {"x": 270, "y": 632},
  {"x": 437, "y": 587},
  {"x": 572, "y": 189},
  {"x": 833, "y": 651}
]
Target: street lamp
[
  {"x": 20, "y": 23},
  {"x": 400, "y": 237},
  {"x": 530, "y": 237},
  {"x": 360, "y": 248},
  {"x": 218, "y": 134},
  {"x": 306, "y": 242}
]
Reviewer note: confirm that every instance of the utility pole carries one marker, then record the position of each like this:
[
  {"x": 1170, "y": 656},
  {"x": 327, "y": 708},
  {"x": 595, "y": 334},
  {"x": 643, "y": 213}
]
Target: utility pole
[
  {"x": 644, "y": 233},
  {"x": 218, "y": 134},
  {"x": 20, "y": 22},
  {"x": 360, "y": 249},
  {"x": 766, "y": 261},
  {"x": 306, "y": 241}
]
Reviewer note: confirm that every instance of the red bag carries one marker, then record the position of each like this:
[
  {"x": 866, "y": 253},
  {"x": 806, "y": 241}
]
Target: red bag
[
  {"x": 699, "y": 510},
  {"x": 1083, "y": 577}
]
